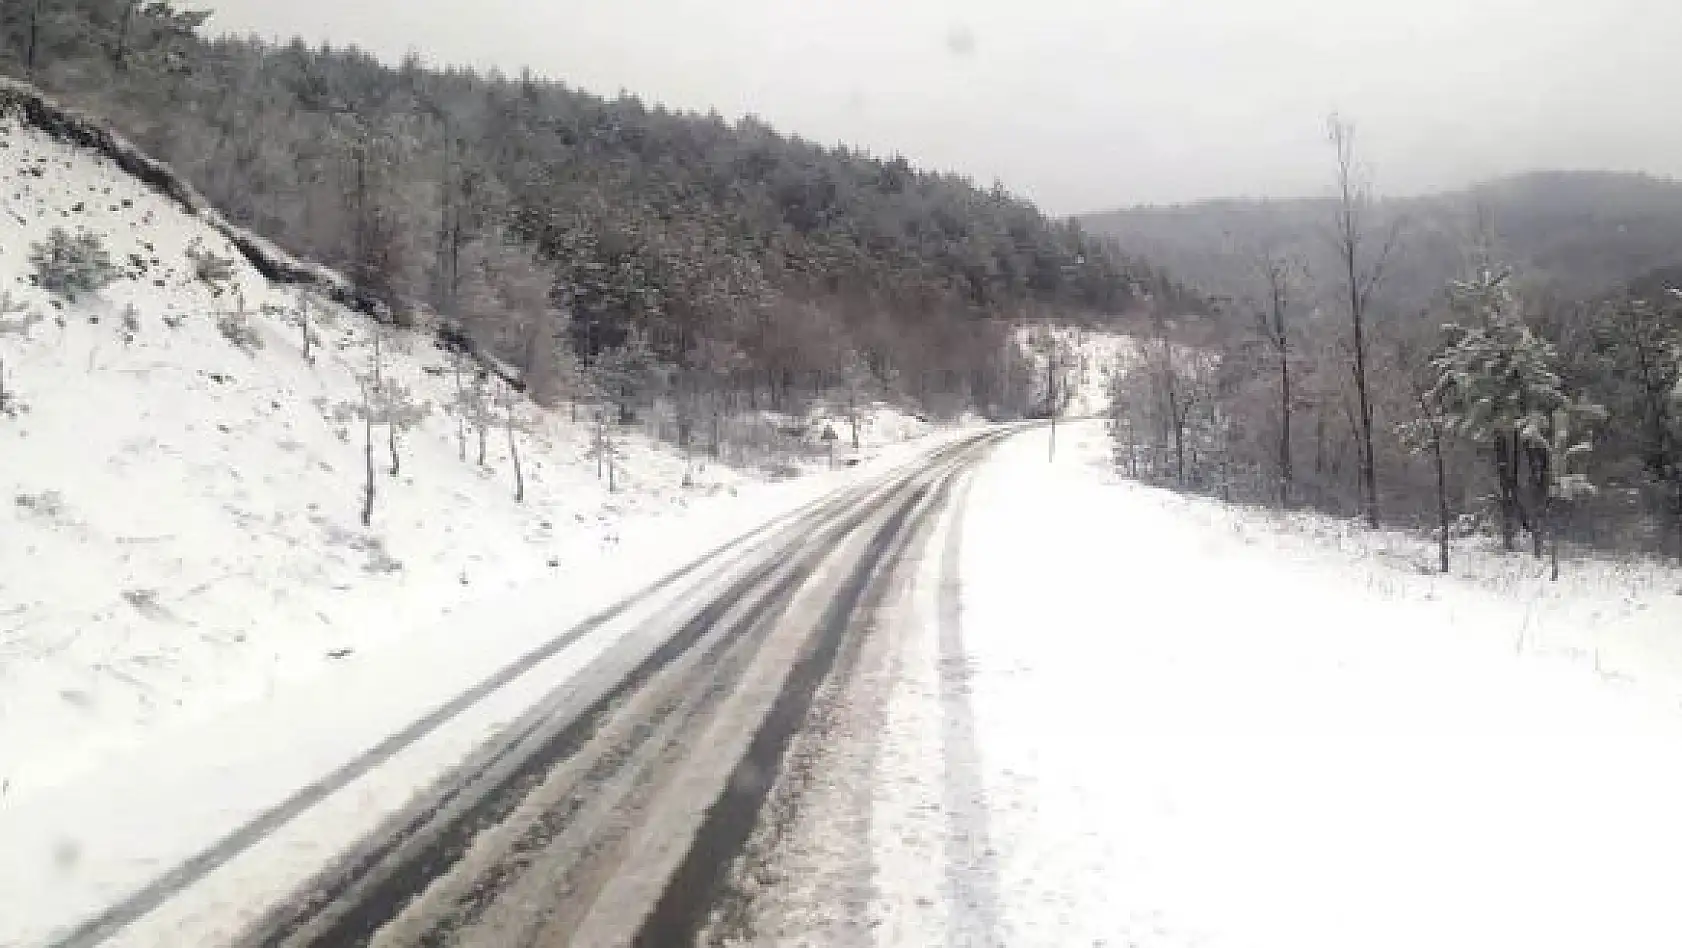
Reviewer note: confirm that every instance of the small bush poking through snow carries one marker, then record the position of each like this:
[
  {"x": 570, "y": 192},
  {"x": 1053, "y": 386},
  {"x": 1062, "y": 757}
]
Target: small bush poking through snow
[
  {"x": 210, "y": 268},
  {"x": 71, "y": 266},
  {"x": 235, "y": 326}
]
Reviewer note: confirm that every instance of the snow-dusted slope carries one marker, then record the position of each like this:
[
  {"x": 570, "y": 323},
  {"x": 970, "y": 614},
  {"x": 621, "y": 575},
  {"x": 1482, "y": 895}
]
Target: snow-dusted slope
[{"x": 180, "y": 522}]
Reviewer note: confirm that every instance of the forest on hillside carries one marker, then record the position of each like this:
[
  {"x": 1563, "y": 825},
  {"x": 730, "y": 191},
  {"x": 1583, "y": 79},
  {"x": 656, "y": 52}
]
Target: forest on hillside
[
  {"x": 598, "y": 246},
  {"x": 1503, "y": 361}
]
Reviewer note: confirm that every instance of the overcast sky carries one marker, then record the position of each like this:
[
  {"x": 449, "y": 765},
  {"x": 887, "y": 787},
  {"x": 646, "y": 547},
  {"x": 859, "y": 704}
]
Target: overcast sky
[{"x": 1089, "y": 104}]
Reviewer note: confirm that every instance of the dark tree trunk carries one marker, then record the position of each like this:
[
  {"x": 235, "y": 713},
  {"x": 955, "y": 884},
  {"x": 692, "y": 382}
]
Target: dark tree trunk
[
  {"x": 1369, "y": 467},
  {"x": 34, "y": 42},
  {"x": 119, "y": 53},
  {"x": 1506, "y": 489},
  {"x": 461, "y": 409},
  {"x": 1442, "y": 501},
  {"x": 368, "y": 457},
  {"x": 1541, "y": 479},
  {"x": 1051, "y": 399},
  {"x": 1284, "y": 426},
  {"x": 1553, "y": 555},
  {"x": 514, "y": 455},
  {"x": 391, "y": 445}
]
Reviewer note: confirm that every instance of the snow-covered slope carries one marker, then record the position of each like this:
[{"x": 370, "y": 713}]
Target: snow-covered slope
[{"x": 180, "y": 525}]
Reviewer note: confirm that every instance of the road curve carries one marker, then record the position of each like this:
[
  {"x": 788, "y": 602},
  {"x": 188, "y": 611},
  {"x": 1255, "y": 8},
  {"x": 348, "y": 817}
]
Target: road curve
[{"x": 609, "y": 814}]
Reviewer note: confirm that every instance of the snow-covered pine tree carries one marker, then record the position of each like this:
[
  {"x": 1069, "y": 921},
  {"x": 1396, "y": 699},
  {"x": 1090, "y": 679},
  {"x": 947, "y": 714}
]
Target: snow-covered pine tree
[{"x": 1499, "y": 385}]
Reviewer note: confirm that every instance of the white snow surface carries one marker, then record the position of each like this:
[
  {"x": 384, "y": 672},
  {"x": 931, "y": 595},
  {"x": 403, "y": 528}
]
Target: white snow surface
[
  {"x": 184, "y": 581},
  {"x": 1209, "y": 726}
]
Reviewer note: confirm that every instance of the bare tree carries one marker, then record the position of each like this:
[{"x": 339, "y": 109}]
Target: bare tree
[
  {"x": 33, "y": 43},
  {"x": 604, "y": 450},
  {"x": 306, "y": 331},
  {"x": 1427, "y": 433},
  {"x": 1280, "y": 274},
  {"x": 508, "y": 399},
  {"x": 397, "y": 409},
  {"x": 1363, "y": 270}
]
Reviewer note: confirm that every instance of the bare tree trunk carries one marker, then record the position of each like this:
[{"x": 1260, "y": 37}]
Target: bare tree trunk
[
  {"x": 1677, "y": 476},
  {"x": 368, "y": 457},
  {"x": 1369, "y": 468},
  {"x": 1179, "y": 437},
  {"x": 1350, "y": 236},
  {"x": 481, "y": 426},
  {"x": 391, "y": 444},
  {"x": 1051, "y": 395},
  {"x": 119, "y": 54},
  {"x": 514, "y": 455},
  {"x": 461, "y": 412},
  {"x": 1541, "y": 481},
  {"x": 1553, "y": 555},
  {"x": 1284, "y": 427},
  {"x": 1506, "y": 477},
  {"x": 1320, "y": 455},
  {"x": 34, "y": 43},
  {"x": 1442, "y": 501}
]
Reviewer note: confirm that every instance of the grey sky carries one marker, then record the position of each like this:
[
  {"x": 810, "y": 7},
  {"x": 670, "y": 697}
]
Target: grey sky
[{"x": 1088, "y": 104}]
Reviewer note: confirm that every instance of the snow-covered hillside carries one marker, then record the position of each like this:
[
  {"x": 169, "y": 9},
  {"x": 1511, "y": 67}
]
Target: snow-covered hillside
[{"x": 182, "y": 490}]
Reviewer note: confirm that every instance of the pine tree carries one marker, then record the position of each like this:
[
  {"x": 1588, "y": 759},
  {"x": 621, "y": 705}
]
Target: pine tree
[{"x": 1499, "y": 385}]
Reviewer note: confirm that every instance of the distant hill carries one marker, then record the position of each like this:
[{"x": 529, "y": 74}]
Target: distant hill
[{"x": 1572, "y": 233}]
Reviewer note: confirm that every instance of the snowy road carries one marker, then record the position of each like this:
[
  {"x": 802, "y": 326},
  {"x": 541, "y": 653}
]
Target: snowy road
[
  {"x": 1011, "y": 703},
  {"x": 609, "y": 809},
  {"x": 1104, "y": 714}
]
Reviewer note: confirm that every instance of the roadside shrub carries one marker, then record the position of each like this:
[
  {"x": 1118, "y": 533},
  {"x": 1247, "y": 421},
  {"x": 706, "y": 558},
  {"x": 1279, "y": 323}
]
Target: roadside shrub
[
  {"x": 71, "y": 266},
  {"x": 236, "y": 327},
  {"x": 211, "y": 269}
]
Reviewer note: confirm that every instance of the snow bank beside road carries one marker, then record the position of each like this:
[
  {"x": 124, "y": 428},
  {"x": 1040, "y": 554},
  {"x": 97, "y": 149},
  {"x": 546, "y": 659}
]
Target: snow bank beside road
[{"x": 1200, "y": 729}]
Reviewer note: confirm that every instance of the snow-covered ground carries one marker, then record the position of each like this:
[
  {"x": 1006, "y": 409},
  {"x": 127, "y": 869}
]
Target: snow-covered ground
[
  {"x": 1206, "y": 726},
  {"x": 1107, "y": 714},
  {"x": 182, "y": 568}
]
